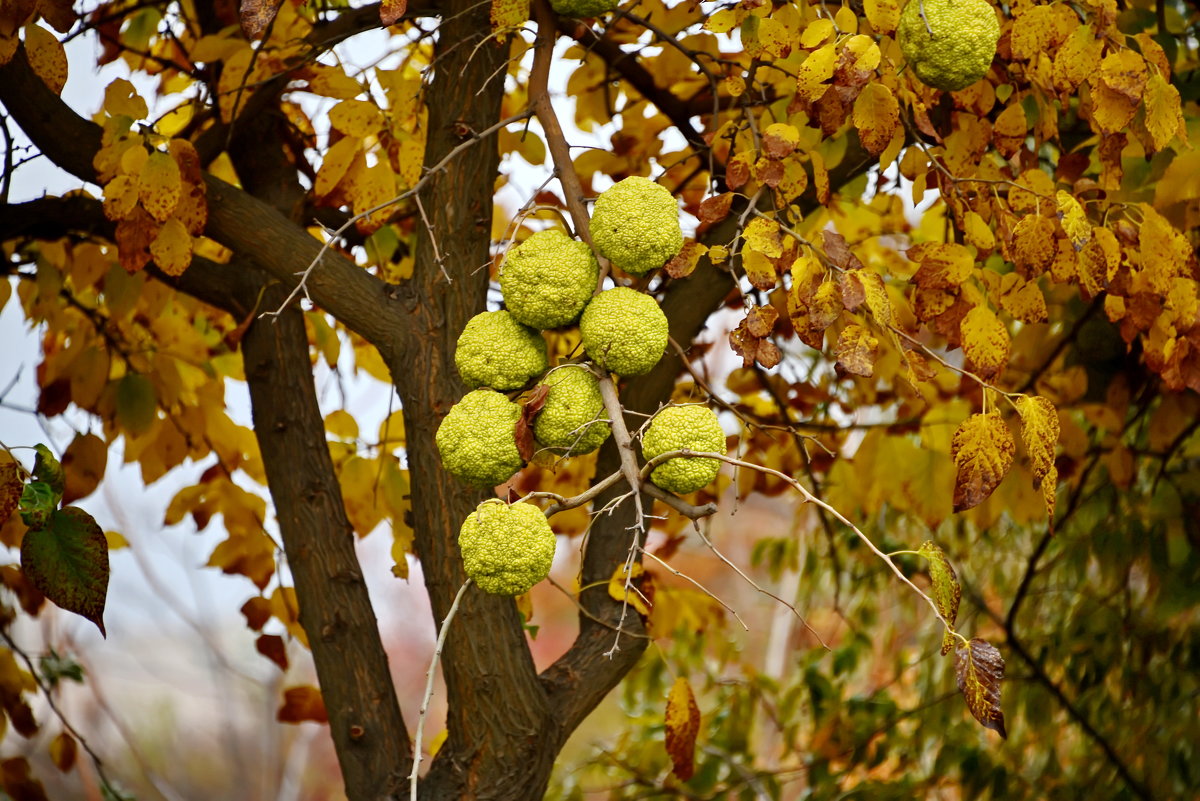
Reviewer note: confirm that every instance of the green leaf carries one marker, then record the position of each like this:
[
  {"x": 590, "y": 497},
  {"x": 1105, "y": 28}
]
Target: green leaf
[
  {"x": 979, "y": 669},
  {"x": 46, "y": 468},
  {"x": 137, "y": 406},
  {"x": 56, "y": 667},
  {"x": 946, "y": 590},
  {"x": 38, "y": 502},
  {"x": 68, "y": 561}
]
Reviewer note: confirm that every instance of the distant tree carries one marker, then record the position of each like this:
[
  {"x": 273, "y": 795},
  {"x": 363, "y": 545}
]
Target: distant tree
[{"x": 273, "y": 206}]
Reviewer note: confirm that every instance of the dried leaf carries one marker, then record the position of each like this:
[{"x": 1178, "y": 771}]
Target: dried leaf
[
  {"x": 682, "y": 724},
  {"x": 979, "y": 669},
  {"x": 684, "y": 262},
  {"x": 63, "y": 750},
  {"x": 877, "y": 117},
  {"x": 985, "y": 342},
  {"x": 826, "y": 306},
  {"x": 392, "y": 10},
  {"x": 716, "y": 208},
  {"x": 856, "y": 350},
  {"x": 1074, "y": 219},
  {"x": 273, "y": 647},
  {"x": 523, "y": 429},
  {"x": 84, "y": 463},
  {"x": 943, "y": 265},
  {"x": 947, "y": 592},
  {"x": 1033, "y": 245},
  {"x": 302, "y": 704},
  {"x": 256, "y": 15},
  {"x": 1040, "y": 432},
  {"x": 10, "y": 485},
  {"x": 982, "y": 449},
  {"x": 779, "y": 139}
]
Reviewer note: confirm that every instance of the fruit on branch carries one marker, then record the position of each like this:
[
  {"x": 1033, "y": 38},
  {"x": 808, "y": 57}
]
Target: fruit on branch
[
  {"x": 572, "y": 421},
  {"x": 676, "y": 428},
  {"x": 476, "y": 439},
  {"x": 635, "y": 225},
  {"x": 506, "y": 549},
  {"x": 960, "y": 48},
  {"x": 548, "y": 279},
  {"x": 583, "y": 8},
  {"x": 496, "y": 351},
  {"x": 624, "y": 331}
]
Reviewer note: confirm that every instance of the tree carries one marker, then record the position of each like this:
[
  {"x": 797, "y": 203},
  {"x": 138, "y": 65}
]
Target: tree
[{"x": 1047, "y": 286}]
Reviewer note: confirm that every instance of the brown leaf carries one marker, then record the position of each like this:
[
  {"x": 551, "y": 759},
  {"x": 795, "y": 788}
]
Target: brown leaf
[
  {"x": 838, "y": 251},
  {"x": 826, "y": 306},
  {"x": 760, "y": 320},
  {"x": 63, "y": 750},
  {"x": 943, "y": 265},
  {"x": 856, "y": 350},
  {"x": 84, "y": 462},
  {"x": 256, "y": 15},
  {"x": 392, "y": 10},
  {"x": 523, "y": 430},
  {"x": 257, "y": 612},
  {"x": 18, "y": 782},
  {"x": 684, "y": 262},
  {"x": 982, "y": 449},
  {"x": 302, "y": 704},
  {"x": 682, "y": 724},
  {"x": 10, "y": 485},
  {"x": 274, "y": 648},
  {"x": 979, "y": 669},
  {"x": 714, "y": 209}
]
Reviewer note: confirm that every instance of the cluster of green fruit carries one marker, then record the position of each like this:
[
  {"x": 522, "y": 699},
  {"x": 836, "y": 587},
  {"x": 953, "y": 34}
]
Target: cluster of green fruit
[{"x": 548, "y": 282}]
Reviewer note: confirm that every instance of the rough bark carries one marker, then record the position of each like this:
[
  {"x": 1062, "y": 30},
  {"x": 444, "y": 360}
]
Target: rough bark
[{"x": 364, "y": 716}]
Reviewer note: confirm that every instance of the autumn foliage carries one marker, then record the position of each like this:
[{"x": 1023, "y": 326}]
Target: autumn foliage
[{"x": 953, "y": 339}]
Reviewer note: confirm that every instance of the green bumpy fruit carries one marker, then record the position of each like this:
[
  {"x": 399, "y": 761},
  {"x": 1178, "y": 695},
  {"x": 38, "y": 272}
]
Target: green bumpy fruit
[
  {"x": 584, "y": 8},
  {"x": 961, "y": 47},
  {"x": 496, "y": 351},
  {"x": 476, "y": 439},
  {"x": 548, "y": 279},
  {"x": 572, "y": 421},
  {"x": 676, "y": 428},
  {"x": 624, "y": 331},
  {"x": 506, "y": 549},
  {"x": 635, "y": 225}
]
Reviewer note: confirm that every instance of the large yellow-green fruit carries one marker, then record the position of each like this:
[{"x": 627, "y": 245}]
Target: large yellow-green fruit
[
  {"x": 677, "y": 428},
  {"x": 548, "y": 279},
  {"x": 476, "y": 439},
  {"x": 624, "y": 331},
  {"x": 506, "y": 549},
  {"x": 635, "y": 225},
  {"x": 960, "y": 48},
  {"x": 496, "y": 351},
  {"x": 572, "y": 421}
]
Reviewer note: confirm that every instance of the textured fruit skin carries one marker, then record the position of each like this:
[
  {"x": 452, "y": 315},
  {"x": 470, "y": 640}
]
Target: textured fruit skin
[
  {"x": 548, "y": 279},
  {"x": 961, "y": 48},
  {"x": 635, "y": 225},
  {"x": 572, "y": 421},
  {"x": 583, "y": 8},
  {"x": 476, "y": 439},
  {"x": 624, "y": 331},
  {"x": 675, "y": 428},
  {"x": 496, "y": 351},
  {"x": 506, "y": 549}
]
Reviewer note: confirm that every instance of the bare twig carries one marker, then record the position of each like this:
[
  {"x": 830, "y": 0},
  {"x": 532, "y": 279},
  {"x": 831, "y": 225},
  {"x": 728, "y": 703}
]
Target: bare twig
[{"x": 702, "y": 588}]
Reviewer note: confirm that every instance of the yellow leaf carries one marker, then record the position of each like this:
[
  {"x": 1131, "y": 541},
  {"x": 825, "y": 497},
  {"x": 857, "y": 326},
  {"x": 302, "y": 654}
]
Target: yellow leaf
[
  {"x": 616, "y": 588},
  {"x": 46, "y": 57},
  {"x": 977, "y": 232},
  {"x": 1040, "y": 431},
  {"x": 1033, "y": 244},
  {"x": 1124, "y": 71},
  {"x": 335, "y": 164},
  {"x": 947, "y": 592},
  {"x": 330, "y": 81},
  {"x": 62, "y": 751},
  {"x": 816, "y": 33},
  {"x": 1111, "y": 110},
  {"x": 121, "y": 99},
  {"x": 826, "y": 306},
  {"x": 342, "y": 425},
  {"x": 814, "y": 72},
  {"x": 1099, "y": 261},
  {"x": 356, "y": 118},
  {"x": 943, "y": 265},
  {"x": 876, "y": 297},
  {"x": 86, "y": 458},
  {"x": 979, "y": 669},
  {"x": 1074, "y": 219},
  {"x": 763, "y": 235},
  {"x": 1023, "y": 299},
  {"x": 982, "y": 449},
  {"x": 120, "y": 196},
  {"x": 877, "y": 117},
  {"x": 172, "y": 248},
  {"x": 301, "y": 704},
  {"x": 507, "y": 14},
  {"x": 1164, "y": 118},
  {"x": 883, "y": 15},
  {"x": 1078, "y": 59},
  {"x": 856, "y": 350},
  {"x": 1009, "y": 130},
  {"x": 773, "y": 38},
  {"x": 372, "y": 187},
  {"x": 359, "y": 478},
  {"x": 985, "y": 342},
  {"x": 725, "y": 20},
  {"x": 681, "y": 724},
  {"x": 159, "y": 185}
]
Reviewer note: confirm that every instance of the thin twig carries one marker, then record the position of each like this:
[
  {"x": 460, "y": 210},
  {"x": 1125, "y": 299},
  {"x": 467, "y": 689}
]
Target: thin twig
[
  {"x": 429, "y": 675},
  {"x": 703, "y": 589}
]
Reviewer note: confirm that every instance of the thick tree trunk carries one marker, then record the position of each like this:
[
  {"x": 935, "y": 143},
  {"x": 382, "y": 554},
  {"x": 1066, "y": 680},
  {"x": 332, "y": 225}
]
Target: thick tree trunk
[{"x": 335, "y": 610}]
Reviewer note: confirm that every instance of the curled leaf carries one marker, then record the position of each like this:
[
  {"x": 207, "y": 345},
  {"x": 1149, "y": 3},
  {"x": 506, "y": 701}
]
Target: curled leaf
[
  {"x": 979, "y": 669},
  {"x": 682, "y": 724},
  {"x": 947, "y": 592},
  {"x": 982, "y": 449}
]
